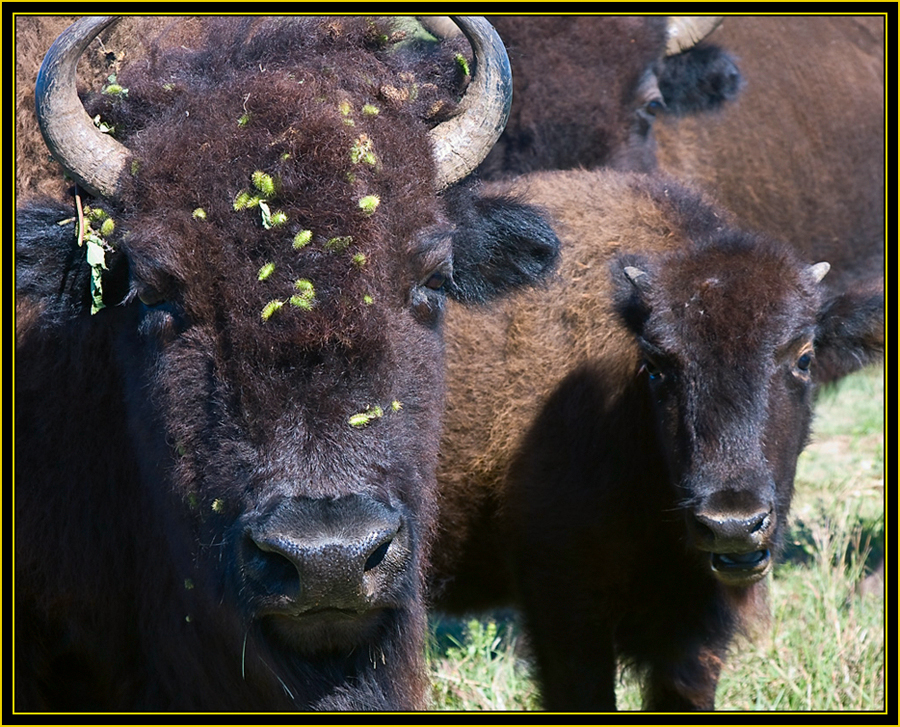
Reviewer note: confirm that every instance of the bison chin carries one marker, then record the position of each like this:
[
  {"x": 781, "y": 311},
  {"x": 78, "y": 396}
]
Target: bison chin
[{"x": 328, "y": 631}]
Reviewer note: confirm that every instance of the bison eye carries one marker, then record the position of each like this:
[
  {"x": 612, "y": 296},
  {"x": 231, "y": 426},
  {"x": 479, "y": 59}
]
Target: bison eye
[
  {"x": 653, "y": 371},
  {"x": 804, "y": 362},
  {"x": 160, "y": 319},
  {"x": 655, "y": 106},
  {"x": 150, "y": 297},
  {"x": 437, "y": 281}
]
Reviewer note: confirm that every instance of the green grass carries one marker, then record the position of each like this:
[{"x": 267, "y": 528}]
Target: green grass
[{"x": 823, "y": 646}]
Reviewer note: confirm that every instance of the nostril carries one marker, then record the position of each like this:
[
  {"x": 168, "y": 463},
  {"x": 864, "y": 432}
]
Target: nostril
[
  {"x": 377, "y": 555},
  {"x": 761, "y": 524},
  {"x": 267, "y": 566},
  {"x": 703, "y": 532}
]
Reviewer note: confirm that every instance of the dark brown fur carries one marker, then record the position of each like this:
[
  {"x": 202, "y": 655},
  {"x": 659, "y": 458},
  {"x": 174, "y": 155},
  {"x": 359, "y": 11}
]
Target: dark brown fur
[
  {"x": 155, "y": 439},
  {"x": 796, "y": 152},
  {"x": 587, "y": 88},
  {"x": 591, "y": 423}
]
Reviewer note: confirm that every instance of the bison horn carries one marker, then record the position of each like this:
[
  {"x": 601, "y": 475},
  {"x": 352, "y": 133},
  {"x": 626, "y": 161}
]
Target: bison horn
[
  {"x": 685, "y": 31},
  {"x": 461, "y": 143},
  {"x": 819, "y": 270},
  {"x": 639, "y": 279},
  {"x": 94, "y": 159}
]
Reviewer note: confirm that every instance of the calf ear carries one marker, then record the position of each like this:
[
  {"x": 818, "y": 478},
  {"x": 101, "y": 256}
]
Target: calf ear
[
  {"x": 850, "y": 332},
  {"x": 499, "y": 245}
]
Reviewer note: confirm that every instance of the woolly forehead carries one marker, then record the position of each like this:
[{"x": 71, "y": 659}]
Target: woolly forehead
[
  {"x": 243, "y": 191},
  {"x": 731, "y": 299}
]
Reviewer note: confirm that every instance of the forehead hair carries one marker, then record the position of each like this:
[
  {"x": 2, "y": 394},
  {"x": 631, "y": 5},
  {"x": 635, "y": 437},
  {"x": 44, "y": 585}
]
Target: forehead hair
[{"x": 320, "y": 121}]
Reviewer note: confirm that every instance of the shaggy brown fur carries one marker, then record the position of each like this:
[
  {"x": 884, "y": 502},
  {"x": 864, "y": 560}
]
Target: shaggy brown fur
[
  {"x": 37, "y": 173},
  {"x": 800, "y": 155},
  {"x": 586, "y": 89},
  {"x": 593, "y": 427},
  {"x": 161, "y": 440}
]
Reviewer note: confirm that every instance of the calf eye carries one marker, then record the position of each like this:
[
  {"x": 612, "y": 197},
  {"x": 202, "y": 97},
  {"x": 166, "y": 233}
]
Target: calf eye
[
  {"x": 653, "y": 371},
  {"x": 654, "y": 106},
  {"x": 804, "y": 362}
]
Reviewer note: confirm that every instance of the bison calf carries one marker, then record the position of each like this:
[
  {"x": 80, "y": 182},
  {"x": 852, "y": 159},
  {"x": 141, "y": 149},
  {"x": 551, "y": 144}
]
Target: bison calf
[{"x": 620, "y": 447}]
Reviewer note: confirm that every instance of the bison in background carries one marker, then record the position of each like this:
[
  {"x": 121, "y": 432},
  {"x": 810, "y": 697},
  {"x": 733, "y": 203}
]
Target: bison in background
[
  {"x": 620, "y": 445},
  {"x": 586, "y": 89},
  {"x": 228, "y": 399},
  {"x": 779, "y": 118},
  {"x": 800, "y": 155}
]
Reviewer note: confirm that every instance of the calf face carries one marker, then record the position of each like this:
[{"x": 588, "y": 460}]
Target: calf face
[{"x": 727, "y": 359}]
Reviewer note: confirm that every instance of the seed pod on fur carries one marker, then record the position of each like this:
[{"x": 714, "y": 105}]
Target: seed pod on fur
[
  {"x": 305, "y": 299},
  {"x": 199, "y": 214},
  {"x": 114, "y": 89},
  {"x": 264, "y": 183},
  {"x": 271, "y": 307},
  {"x": 358, "y": 420},
  {"x": 463, "y": 64},
  {"x": 363, "y": 418},
  {"x": 369, "y": 204},
  {"x": 298, "y": 301},
  {"x": 302, "y": 239},
  {"x": 338, "y": 244},
  {"x": 265, "y": 271},
  {"x": 362, "y": 151}
]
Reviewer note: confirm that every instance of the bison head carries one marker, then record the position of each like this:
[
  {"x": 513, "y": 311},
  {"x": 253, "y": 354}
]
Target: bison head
[
  {"x": 733, "y": 339},
  {"x": 251, "y": 417}
]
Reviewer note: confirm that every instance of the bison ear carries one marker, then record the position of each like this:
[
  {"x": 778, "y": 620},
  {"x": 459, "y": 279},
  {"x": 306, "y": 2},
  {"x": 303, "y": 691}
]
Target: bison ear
[
  {"x": 702, "y": 78},
  {"x": 52, "y": 269},
  {"x": 850, "y": 332},
  {"x": 499, "y": 245}
]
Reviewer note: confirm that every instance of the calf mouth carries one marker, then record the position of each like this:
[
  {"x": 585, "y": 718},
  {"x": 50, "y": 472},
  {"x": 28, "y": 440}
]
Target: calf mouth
[{"x": 741, "y": 569}]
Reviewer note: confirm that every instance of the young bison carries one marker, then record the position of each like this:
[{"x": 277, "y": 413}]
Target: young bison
[{"x": 620, "y": 447}]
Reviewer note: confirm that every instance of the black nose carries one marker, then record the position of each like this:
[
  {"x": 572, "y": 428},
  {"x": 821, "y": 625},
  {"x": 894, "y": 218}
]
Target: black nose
[
  {"x": 349, "y": 553},
  {"x": 728, "y": 532}
]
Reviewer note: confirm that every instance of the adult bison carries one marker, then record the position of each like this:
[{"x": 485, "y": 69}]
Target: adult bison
[
  {"x": 587, "y": 88},
  {"x": 228, "y": 400},
  {"x": 796, "y": 152},
  {"x": 620, "y": 445},
  {"x": 801, "y": 154}
]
